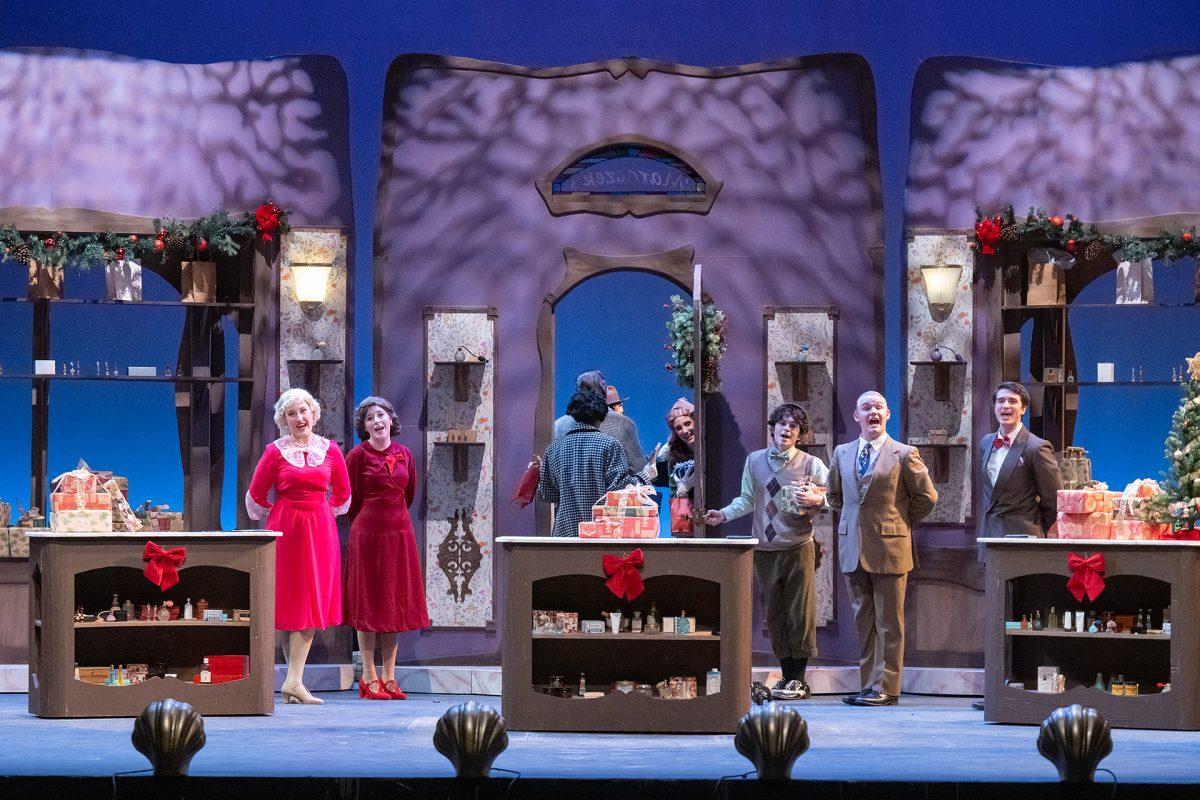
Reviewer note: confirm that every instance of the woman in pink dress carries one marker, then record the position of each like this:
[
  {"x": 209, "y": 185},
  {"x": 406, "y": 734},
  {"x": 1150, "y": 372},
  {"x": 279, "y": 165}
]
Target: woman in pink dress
[
  {"x": 384, "y": 590},
  {"x": 311, "y": 486}
]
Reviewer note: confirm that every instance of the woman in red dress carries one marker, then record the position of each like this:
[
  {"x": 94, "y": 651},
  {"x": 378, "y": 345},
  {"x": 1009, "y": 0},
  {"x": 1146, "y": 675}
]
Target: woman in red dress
[
  {"x": 384, "y": 590},
  {"x": 311, "y": 487}
]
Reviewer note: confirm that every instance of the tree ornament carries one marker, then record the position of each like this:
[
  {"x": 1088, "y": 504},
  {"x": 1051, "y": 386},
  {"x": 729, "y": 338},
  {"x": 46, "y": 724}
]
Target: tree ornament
[
  {"x": 1056, "y": 221},
  {"x": 1010, "y": 233},
  {"x": 1194, "y": 367},
  {"x": 1094, "y": 251},
  {"x": 1187, "y": 237},
  {"x": 201, "y": 245},
  {"x": 159, "y": 245},
  {"x": 1070, "y": 245},
  {"x": 50, "y": 242},
  {"x": 999, "y": 220},
  {"x": 120, "y": 251},
  {"x": 133, "y": 238}
]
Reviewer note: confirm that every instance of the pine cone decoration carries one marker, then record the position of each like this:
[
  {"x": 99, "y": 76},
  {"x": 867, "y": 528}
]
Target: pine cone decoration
[
  {"x": 20, "y": 253},
  {"x": 174, "y": 242},
  {"x": 1010, "y": 233},
  {"x": 1093, "y": 252}
]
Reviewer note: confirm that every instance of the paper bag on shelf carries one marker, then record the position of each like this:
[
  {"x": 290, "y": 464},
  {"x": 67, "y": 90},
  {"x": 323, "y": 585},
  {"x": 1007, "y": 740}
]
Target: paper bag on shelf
[{"x": 1047, "y": 284}]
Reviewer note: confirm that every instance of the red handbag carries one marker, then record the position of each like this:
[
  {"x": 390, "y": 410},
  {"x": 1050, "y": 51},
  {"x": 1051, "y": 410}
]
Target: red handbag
[
  {"x": 681, "y": 516},
  {"x": 527, "y": 487}
]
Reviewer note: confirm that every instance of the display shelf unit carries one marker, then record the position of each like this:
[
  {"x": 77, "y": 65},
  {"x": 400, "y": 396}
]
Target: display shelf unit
[
  {"x": 311, "y": 372},
  {"x": 797, "y": 378},
  {"x": 246, "y": 292},
  {"x": 941, "y": 376},
  {"x": 462, "y": 376},
  {"x": 1026, "y": 575},
  {"x": 939, "y": 460},
  {"x": 68, "y": 570},
  {"x": 461, "y": 457},
  {"x": 708, "y": 579}
]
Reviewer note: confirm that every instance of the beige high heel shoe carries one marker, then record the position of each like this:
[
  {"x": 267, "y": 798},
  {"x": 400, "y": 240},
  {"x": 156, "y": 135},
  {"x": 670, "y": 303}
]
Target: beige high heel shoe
[{"x": 299, "y": 694}]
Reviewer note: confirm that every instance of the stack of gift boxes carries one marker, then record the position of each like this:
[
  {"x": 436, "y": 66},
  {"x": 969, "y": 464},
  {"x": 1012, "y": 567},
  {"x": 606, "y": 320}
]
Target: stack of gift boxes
[
  {"x": 629, "y": 513},
  {"x": 1096, "y": 513},
  {"x": 84, "y": 501}
]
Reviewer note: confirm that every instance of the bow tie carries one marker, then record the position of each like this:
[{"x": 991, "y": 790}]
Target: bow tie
[
  {"x": 775, "y": 455},
  {"x": 1001, "y": 441}
]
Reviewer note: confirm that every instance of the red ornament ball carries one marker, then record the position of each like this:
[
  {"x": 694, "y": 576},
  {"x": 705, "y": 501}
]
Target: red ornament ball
[
  {"x": 162, "y": 233},
  {"x": 201, "y": 245},
  {"x": 133, "y": 238},
  {"x": 159, "y": 245},
  {"x": 999, "y": 220},
  {"x": 120, "y": 251},
  {"x": 1188, "y": 236},
  {"x": 1070, "y": 245},
  {"x": 1056, "y": 221},
  {"x": 50, "y": 243}
]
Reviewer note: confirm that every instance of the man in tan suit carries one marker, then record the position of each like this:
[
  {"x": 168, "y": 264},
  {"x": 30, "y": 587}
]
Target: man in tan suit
[{"x": 881, "y": 489}]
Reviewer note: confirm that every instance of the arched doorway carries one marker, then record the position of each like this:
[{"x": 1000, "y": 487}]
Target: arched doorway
[{"x": 674, "y": 266}]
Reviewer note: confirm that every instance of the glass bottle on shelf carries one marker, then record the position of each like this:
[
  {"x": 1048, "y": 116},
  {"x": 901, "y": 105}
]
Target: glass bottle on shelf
[
  {"x": 636, "y": 625},
  {"x": 1166, "y": 626},
  {"x": 1052, "y": 619},
  {"x": 582, "y": 685},
  {"x": 1024, "y": 622},
  {"x": 205, "y": 672},
  {"x": 1139, "y": 626},
  {"x": 1070, "y": 376},
  {"x": 1037, "y": 620},
  {"x": 116, "y": 605},
  {"x": 1099, "y": 684},
  {"x": 187, "y": 609}
]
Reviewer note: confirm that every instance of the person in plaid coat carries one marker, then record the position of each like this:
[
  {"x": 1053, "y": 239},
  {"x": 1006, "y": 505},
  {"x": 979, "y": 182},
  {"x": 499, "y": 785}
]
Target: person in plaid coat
[{"x": 581, "y": 465}]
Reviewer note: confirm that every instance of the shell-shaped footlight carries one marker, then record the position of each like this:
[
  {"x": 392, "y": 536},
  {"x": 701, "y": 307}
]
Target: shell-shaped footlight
[
  {"x": 1075, "y": 739},
  {"x": 471, "y": 736},
  {"x": 772, "y": 737},
  {"x": 168, "y": 733}
]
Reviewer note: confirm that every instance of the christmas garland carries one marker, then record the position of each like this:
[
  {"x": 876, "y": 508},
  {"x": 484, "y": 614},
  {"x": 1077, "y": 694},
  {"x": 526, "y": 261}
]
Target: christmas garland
[
  {"x": 175, "y": 239},
  {"x": 681, "y": 342},
  {"x": 1069, "y": 233}
]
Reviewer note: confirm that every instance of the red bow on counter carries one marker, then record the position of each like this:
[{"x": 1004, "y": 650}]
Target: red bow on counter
[
  {"x": 1087, "y": 575},
  {"x": 163, "y": 566},
  {"x": 624, "y": 580}
]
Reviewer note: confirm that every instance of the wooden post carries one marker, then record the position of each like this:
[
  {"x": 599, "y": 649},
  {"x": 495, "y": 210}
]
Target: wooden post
[{"x": 698, "y": 494}]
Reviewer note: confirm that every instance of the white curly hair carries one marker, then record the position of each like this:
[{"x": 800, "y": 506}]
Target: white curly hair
[{"x": 290, "y": 398}]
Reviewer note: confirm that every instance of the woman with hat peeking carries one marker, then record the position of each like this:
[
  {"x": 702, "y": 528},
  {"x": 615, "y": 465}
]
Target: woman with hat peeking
[{"x": 675, "y": 463}]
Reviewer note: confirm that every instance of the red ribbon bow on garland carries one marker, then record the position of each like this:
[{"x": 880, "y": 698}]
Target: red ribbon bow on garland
[
  {"x": 624, "y": 580},
  {"x": 162, "y": 568},
  {"x": 267, "y": 219},
  {"x": 1087, "y": 575}
]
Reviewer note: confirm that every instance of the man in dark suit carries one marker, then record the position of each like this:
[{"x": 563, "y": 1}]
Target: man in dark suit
[
  {"x": 1019, "y": 473},
  {"x": 881, "y": 489}
]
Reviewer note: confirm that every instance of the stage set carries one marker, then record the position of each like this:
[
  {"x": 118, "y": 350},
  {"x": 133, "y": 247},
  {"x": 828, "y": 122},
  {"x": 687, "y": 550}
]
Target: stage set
[{"x": 994, "y": 587}]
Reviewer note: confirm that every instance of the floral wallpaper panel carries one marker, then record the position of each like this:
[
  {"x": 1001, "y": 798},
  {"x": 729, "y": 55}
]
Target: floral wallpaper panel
[
  {"x": 955, "y": 333},
  {"x": 459, "y": 517},
  {"x": 787, "y": 333}
]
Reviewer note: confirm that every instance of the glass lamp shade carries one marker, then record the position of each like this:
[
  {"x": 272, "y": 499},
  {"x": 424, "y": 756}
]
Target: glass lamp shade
[
  {"x": 941, "y": 287},
  {"x": 311, "y": 281}
]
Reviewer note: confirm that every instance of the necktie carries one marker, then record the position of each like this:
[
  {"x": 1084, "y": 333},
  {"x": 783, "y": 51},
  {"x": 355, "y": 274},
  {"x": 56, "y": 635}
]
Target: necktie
[
  {"x": 864, "y": 460},
  {"x": 1001, "y": 441}
]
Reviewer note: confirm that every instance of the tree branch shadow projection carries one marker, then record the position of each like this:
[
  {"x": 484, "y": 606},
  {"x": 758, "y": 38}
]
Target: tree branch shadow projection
[
  {"x": 109, "y": 132},
  {"x": 1101, "y": 142}
]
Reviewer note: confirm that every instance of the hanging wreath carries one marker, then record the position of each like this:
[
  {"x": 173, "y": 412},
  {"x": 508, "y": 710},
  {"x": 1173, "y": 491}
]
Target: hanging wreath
[{"x": 681, "y": 343}]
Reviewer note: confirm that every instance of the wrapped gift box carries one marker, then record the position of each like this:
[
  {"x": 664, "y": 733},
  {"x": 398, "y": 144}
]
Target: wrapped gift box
[
  {"x": 1084, "y": 501},
  {"x": 165, "y": 521},
  {"x": 77, "y": 481},
  {"x": 622, "y": 501},
  {"x": 619, "y": 528},
  {"x": 82, "y": 521},
  {"x": 789, "y": 499},
  {"x": 80, "y": 501},
  {"x": 1139, "y": 530},
  {"x": 17, "y": 542},
  {"x": 1097, "y": 525},
  {"x": 598, "y": 512},
  {"x": 556, "y": 621}
]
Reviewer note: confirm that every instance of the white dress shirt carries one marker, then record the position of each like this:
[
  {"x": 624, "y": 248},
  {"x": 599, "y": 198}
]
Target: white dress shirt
[{"x": 999, "y": 453}]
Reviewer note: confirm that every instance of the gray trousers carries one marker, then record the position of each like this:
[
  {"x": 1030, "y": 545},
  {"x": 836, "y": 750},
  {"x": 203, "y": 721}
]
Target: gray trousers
[
  {"x": 787, "y": 582},
  {"x": 878, "y": 603}
]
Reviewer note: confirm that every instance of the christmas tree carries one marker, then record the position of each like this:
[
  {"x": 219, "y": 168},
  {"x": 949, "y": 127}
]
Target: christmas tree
[{"x": 1182, "y": 486}]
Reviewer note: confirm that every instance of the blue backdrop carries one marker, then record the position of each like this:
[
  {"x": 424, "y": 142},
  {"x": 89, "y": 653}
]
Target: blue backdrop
[{"x": 133, "y": 424}]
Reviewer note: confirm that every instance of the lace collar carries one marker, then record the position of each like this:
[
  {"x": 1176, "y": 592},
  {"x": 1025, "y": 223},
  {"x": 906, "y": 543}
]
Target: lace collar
[{"x": 293, "y": 452}]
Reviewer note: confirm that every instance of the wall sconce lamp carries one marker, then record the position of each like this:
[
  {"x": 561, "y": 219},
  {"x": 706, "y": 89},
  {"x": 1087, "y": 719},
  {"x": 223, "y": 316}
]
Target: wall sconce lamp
[
  {"x": 311, "y": 283},
  {"x": 940, "y": 282}
]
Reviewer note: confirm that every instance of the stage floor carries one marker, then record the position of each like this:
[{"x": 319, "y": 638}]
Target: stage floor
[{"x": 925, "y": 740}]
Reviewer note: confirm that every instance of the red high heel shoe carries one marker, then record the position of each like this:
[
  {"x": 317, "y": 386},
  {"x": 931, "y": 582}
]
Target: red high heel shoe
[
  {"x": 394, "y": 691},
  {"x": 372, "y": 691}
]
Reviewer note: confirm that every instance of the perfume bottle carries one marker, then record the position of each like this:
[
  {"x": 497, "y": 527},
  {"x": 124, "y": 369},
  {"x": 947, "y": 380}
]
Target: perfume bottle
[
  {"x": 205, "y": 672},
  {"x": 1037, "y": 620},
  {"x": 1024, "y": 622},
  {"x": 187, "y": 609},
  {"x": 1067, "y": 622},
  {"x": 582, "y": 685},
  {"x": 129, "y": 611},
  {"x": 1052, "y": 619},
  {"x": 1166, "y": 626},
  {"x": 1099, "y": 684},
  {"x": 636, "y": 625}
]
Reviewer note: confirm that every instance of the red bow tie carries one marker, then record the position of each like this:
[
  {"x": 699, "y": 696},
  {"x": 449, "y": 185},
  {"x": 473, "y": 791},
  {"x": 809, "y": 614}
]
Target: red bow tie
[{"x": 1001, "y": 441}]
